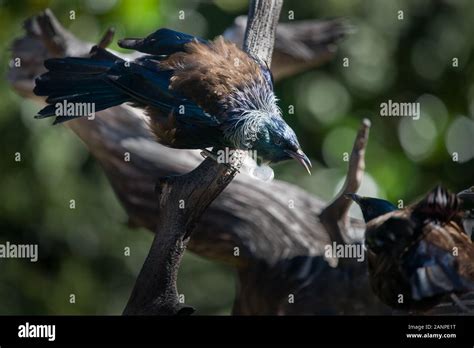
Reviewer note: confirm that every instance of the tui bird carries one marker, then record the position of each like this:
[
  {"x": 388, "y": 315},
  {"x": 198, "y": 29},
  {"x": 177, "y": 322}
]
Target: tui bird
[
  {"x": 420, "y": 254},
  {"x": 196, "y": 93}
]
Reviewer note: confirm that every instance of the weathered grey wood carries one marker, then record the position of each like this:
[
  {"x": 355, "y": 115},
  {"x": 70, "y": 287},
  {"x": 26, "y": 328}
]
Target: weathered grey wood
[
  {"x": 155, "y": 291},
  {"x": 261, "y": 27},
  {"x": 335, "y": 215},
  {"x": 299, "y": 45},
  {"x": 249, "y": 215}
]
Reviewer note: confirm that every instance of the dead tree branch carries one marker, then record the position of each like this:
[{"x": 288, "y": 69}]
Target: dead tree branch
[
  {"x": 299, "y": 45},
  {"x": 155, "y": 291},
  {"x": 335, "y": 215},
  {"x": 261, "y": 27},
  {"x": 281, "y": 249}
]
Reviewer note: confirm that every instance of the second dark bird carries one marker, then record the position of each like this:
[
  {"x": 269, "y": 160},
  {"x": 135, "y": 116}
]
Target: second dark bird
[
  {"x": 419, "y": 255},
  {"x": 196, "y": 93}
]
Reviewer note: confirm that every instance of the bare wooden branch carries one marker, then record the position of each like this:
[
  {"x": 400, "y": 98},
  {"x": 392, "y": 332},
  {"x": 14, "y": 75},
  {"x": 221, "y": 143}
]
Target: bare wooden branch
[
  {"x": 261, "y": 27},
  {"x": 273, "y": 240},
  {"x": 299, "y": 45},
  {"x": 335, "y": 216},
  {"x": 155, "y": 291},
  {"x": 229, "y": 223}
]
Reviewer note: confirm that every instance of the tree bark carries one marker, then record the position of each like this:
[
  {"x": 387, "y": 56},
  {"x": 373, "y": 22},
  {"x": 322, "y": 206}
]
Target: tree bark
[
  {"x": 155, "y": 291},
  {"x": 182, "y": 201},
  {"x": 280, "y": 249},
  {"x": 299, "y": 45},
  {"x": 261, "y": 27}
]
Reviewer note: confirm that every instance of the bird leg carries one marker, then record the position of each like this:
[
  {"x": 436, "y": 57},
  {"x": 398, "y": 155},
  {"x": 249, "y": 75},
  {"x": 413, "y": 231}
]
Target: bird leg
[{"x": 233, "y": 159}]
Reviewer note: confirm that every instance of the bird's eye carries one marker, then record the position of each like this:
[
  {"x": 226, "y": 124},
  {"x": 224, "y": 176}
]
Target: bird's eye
[{"x": 277, "y": 142}]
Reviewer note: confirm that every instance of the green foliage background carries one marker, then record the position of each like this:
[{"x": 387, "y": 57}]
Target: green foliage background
[{"x": 82, "y": 250}]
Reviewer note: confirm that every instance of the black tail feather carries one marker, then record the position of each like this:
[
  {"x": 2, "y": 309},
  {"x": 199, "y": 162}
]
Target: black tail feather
[{"x": 78, "y": 81}]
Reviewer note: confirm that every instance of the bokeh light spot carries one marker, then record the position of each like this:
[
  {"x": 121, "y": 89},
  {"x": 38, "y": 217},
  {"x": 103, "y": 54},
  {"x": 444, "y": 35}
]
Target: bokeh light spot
[
  {"x": 460, "y": 139},
  {"x": 417, "y": 137}
]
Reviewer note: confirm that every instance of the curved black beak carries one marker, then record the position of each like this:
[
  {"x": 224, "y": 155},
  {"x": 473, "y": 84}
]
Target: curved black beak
[
  {"x": 354, "y": 196},
  {"x": 301, "y": 158}
]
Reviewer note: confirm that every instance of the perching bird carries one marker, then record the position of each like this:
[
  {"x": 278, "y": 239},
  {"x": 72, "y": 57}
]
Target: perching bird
[
  {"x": 420, "y": 254},
  {"x": 196, "y": 93}
]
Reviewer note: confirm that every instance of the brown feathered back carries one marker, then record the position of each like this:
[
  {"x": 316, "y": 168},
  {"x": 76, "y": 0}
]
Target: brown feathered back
[
  {"x": 209, "y": 74},
  {"x": 452, "y": 238}
]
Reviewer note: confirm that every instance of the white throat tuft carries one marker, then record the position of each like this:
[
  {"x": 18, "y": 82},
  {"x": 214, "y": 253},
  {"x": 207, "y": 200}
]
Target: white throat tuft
[{"x": 252, "y": 106}]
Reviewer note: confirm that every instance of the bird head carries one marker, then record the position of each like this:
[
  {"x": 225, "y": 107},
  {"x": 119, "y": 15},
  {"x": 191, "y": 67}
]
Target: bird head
[
  {"x": 256, "y": 123},
  {"x": 278, "y": 142},
  {"x": 372, "y": 207}
]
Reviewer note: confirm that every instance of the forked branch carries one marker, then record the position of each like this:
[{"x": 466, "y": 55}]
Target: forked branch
[
  {"x": 155, "y": 291},
  {"x": 254, "y": 218}
]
